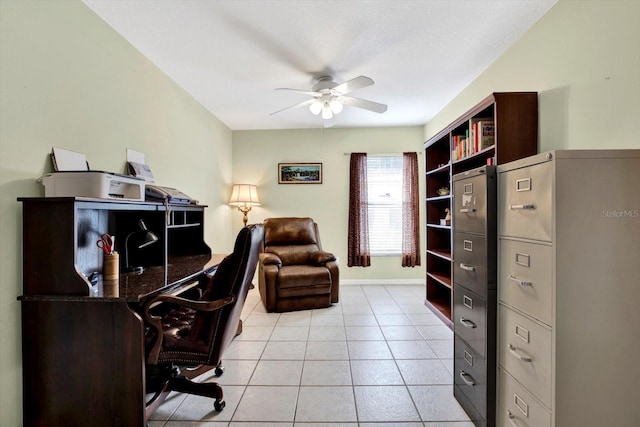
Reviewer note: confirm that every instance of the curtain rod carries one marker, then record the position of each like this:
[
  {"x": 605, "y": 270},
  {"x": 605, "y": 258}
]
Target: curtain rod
[{"x": 383, "y": 154}]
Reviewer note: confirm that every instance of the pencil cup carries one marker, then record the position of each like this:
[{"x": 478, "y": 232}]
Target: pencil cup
[
  {"x": 111, "y": 288},
  {"x": 111, "y": 267}
]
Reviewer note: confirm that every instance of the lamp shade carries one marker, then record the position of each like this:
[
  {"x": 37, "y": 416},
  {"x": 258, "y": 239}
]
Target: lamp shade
[
  {"x": 336, "y": 106},
  {"x": 326, "y": 111},
  {"x": 148, "y": 238},
  {"x": 316, "y": 107},
  {"x": 244, "y": 195}
]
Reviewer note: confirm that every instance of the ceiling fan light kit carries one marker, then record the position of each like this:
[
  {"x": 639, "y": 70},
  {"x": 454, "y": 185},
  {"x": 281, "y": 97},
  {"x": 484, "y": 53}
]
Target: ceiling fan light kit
[
  {"x": 327, "y": 106},
  {"x": 326, "y": 112},
  {"x": 316, "y": 107},
  {"x": 329, "y": 97},
  {"x": 336, "y": 106}
]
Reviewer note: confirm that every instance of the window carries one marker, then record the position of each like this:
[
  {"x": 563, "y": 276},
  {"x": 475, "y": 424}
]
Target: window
[{"x": 384, "y": 189}]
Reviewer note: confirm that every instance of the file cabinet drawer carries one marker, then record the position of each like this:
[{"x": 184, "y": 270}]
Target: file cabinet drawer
[
  {"x": 469, "y": 317},
  {"x": 525, "y": 202},
  {"x": 470, "y": 266},
  {"x": 517, "y": 407},
  {"x": 470, "y": 375},
  {"x": 470, "y": 204},
  {"x": 526, "y": 278},
  {"x": 524, "y": 351}
]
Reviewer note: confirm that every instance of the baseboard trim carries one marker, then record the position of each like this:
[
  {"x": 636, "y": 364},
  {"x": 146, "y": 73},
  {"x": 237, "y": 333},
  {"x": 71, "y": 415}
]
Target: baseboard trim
[{"x": 360, "y": 282}]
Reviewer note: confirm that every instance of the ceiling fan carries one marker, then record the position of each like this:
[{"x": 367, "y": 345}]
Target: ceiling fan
[{"x": 329, "y": 97}]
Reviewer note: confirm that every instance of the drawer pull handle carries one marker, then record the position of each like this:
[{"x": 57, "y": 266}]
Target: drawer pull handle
[
  {"x": 522, "y": 207},
  {"x": 467, "y": 210},
  {"x": 520, "y": 282},
  {"x": 467, "y": 267},
  {"x": 467, "y": 323},
  {"x": 468, "y": 379},
  {"x": 511, "y": 418},
  {"x": 514, "y": 350}
]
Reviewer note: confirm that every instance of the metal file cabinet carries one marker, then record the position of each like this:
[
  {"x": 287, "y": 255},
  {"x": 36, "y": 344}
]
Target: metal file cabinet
[
  {"x": 569, "y": 289},
  {"x": 474, "y": 293}
]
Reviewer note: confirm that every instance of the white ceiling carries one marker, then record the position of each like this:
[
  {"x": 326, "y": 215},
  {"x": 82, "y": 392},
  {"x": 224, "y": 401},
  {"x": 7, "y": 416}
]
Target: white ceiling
[{"x": 230, "y": 55}]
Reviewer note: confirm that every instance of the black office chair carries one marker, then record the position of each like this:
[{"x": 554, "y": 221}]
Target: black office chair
[{"x": 190, "y": 337}]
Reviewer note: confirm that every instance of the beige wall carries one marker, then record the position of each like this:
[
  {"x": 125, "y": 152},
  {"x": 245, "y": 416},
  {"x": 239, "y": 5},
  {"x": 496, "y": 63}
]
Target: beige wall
[
  {"x": 583, "y": 58},
  {"x": 68, "y": 80},
  {"x": 256, "y": 155}
]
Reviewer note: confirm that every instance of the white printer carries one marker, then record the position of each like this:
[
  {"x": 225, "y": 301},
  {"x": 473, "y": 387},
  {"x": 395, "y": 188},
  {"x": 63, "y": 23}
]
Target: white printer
[
  {"x": 73, "y": 178},
  {"x": 96, "y": 184}
]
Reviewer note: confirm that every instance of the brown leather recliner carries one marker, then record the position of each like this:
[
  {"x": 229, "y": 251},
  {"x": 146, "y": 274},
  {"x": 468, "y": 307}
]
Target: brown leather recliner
[{"x": 294, "y": 272}]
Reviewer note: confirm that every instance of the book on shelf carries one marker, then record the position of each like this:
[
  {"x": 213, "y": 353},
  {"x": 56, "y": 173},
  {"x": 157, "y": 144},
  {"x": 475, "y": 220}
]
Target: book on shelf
[
  {"x": 486, "y": 134},
  {"x": 478, "y": 127},
  {"x": 460, "y": 147},
  {"x": 479, "y": 135}
]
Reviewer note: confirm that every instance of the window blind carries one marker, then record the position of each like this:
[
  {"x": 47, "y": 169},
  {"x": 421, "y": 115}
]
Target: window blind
[{"x": 384, "y": 205}]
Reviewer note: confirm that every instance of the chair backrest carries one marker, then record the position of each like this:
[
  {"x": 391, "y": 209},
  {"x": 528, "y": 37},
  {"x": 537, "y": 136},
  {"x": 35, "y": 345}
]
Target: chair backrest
[
  {"x": 232, "y": 278},
  {"x": 292, "y": 239}
]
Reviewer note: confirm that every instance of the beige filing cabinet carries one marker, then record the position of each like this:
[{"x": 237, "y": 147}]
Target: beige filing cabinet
[{"x": 569, "y": 289}]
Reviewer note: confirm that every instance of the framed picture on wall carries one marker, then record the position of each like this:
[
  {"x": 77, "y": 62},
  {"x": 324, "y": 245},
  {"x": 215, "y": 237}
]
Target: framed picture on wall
[{"x": 299, "y": 173}]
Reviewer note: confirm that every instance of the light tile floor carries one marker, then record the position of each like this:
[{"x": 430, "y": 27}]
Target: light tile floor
[{"x": 378, "y": 358}]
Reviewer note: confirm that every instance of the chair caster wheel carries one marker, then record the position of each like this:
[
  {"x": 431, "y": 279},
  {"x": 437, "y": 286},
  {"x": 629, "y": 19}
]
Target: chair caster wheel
[
  {"x": 219, "y": 405},
  {"x": 219, "y": 370}
]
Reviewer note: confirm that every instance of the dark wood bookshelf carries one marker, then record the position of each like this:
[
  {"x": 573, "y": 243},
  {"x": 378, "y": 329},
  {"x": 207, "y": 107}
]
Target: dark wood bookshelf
[{"x": 515, "y": 119}]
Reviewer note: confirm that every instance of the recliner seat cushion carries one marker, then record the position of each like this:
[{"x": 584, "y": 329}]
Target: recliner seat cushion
[
  {"x": 303, "y": 275},
  {"x": 309, "y": 292}
]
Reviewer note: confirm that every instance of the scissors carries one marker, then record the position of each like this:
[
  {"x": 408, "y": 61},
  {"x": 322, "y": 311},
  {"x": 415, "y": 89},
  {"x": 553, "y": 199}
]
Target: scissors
[{"x": 105, "y": 243}]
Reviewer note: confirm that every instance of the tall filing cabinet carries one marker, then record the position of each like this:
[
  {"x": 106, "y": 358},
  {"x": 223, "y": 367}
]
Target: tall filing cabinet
[
  {"x": 569, "y": 289},
  {"x": 474, "y": 293}
]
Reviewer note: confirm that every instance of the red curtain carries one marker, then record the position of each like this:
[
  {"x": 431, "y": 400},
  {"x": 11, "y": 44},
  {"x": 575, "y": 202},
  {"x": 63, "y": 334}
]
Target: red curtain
[
  {"x": 358, "y": 254},
  {"x": 410, "y": 211}
]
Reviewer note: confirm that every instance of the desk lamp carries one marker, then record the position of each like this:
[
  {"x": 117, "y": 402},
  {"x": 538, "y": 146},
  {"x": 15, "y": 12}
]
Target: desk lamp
[
  {"x": 244, "y": 196},
  {"x": 148, "y": 238}
]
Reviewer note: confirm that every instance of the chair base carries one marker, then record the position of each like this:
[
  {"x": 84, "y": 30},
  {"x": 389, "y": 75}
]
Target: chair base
[
  {"x": 183, "y": 384},
  {"x": 162, "y": 379}
]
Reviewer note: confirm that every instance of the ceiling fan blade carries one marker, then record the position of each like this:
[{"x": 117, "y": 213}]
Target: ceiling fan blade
[
  {"x": 306, "y": 92},
  {"x": 353, "y": 84},
  {"x": 301, "y": 104},
  {"x": 363, "y": 103}
]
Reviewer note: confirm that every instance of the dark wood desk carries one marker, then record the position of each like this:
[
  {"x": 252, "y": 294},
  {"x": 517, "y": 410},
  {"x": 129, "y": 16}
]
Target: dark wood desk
[{"x": 82, "y": 342}]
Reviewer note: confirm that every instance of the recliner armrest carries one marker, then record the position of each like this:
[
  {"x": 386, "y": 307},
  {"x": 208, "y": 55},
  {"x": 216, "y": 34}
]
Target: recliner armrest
[
  {"x": 267, "y": 258},
  {"x": 321, "y": 257}
]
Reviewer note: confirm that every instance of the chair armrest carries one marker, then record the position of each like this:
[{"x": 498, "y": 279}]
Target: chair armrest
[
  {"x": 321, "y": 257},
  {"x": 193, "y": 304},
  {"x": 267, "y": 258},
  {"x": 155, "y": 322}
]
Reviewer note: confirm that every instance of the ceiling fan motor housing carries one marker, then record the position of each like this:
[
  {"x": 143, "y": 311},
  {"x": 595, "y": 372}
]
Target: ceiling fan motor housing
[{"x": 324, "y": 84}]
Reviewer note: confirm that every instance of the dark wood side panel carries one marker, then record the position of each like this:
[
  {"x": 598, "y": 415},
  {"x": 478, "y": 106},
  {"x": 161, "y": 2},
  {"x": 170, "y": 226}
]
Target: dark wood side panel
[
  {"x": 83, "y": 362},
  {"x": 49, "y": 233},
  {"x": 516, "y": 125}
]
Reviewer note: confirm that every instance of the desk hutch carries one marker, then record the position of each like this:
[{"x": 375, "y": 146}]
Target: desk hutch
[{"x": 83, "y": 337}]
